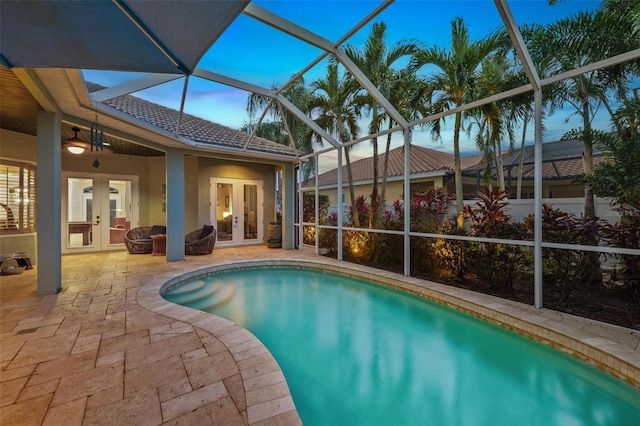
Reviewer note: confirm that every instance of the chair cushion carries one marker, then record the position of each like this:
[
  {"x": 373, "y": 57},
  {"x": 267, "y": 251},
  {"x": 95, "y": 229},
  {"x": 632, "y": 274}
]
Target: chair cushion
[
  {"x": 158, "y": 229},
  {"x": 206, "y": 230}
]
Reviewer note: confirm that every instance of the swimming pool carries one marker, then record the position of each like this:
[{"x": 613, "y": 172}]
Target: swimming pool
[{"x": 358, "y": 353}]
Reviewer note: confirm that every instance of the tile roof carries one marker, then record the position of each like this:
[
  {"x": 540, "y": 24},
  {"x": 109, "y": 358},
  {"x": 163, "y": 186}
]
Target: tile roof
[
  {"x": 423, "y": 160},
  {"x": 561, "y": 160},
  {"x": 192, "y": 127}
]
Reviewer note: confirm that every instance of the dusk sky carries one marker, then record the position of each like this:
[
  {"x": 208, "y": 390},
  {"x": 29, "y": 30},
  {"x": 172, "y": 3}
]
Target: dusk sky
[{"x": 256, "y": 53}]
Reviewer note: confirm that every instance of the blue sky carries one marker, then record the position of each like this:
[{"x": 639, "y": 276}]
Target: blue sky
[{"x": 253, "y": 52}]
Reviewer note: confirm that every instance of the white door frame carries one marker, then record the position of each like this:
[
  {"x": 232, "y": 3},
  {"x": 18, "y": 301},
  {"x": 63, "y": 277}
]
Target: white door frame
[
  {"x": 237, "y": 220},
  {"x": 100, "y": 226}
]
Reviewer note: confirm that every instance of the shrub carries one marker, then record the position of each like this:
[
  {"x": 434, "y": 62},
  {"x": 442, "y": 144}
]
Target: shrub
[
  {"x": 495, "y": 263},
  {"x": 427, "y": 213},
  {"x": 452, "y": 255},
  {"x": 565, "y": 269},
  {"x": 626, "y": 233},
  {"x": 362, "y": 209}
]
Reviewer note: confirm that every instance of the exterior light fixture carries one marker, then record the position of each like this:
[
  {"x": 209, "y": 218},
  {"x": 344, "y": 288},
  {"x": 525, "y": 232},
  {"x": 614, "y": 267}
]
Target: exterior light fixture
[{"x": 75, "y": 145}]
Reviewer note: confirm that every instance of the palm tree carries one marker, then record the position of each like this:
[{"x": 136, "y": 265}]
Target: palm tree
[
  {"x": 376, "y": 61},
  {"x": 333, "y": 99},
  {"x": 301, "y": 134},
  {"x": 520, "y": 108},
  {"x": 457, "y": 82},
  {"x": 580, "y": 40},
  {"x": 407, "y": 95}
]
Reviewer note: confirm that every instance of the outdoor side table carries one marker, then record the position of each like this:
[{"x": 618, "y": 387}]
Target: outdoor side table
[{"x": 159, "y": 245}]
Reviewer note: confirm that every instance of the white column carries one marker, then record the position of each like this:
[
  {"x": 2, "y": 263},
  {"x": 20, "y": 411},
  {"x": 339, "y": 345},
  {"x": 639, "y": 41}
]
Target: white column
[
  {"x": 175, "y": 205},
  {"x": 48, "y": 204}
]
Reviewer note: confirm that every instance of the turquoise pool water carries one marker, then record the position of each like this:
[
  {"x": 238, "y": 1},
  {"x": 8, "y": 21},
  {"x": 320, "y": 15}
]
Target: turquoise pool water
[{"x": 355, "y": 353}]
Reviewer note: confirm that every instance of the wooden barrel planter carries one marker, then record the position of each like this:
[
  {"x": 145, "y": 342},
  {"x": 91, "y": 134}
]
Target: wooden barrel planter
[{"x": 274, "y": 235}]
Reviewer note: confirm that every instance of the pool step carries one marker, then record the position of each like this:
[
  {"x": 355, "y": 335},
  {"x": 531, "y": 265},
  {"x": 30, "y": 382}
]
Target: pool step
[
  {"x": 193, "y": 291},
  {"x": 186, "y": 287},
  {"x": 215, "y": 299},
  {"x": 200, "y": 295}
]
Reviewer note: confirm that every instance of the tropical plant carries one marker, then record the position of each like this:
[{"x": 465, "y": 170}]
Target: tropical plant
[
  {"x": 407, "y": 95},
  {"x": 578, "y": 41},
  {"x": 618, "y": 176},
  {"x": 626, "y": 233},
  {"x": 566, "y": 269},
  {"x": 458, "y": 81},
  {"x": 495, "y": 263},
  {"x": 333, "y": 100},
  {"x": 299, "y": 132},
  {"x": 375, "y": 61}
]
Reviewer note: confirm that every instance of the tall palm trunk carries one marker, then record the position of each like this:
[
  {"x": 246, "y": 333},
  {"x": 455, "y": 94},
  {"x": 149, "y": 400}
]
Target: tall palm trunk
[
  {"x": 458, "y": 171},
  {"x": 587, "y": 152},
  {"x": 521, "y": 159},
  {"x": 499, "y": 169},
  {"x": 352, "y": 194},
  {"x": 373, "y": 212},
  {"x": 385, "y": 170}
]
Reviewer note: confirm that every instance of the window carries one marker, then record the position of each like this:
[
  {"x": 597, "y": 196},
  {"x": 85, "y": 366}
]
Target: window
[{"x": 17, "y": 196}]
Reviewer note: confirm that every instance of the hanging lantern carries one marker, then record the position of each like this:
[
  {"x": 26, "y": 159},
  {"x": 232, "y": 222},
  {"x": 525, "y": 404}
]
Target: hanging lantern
[{"x": 97, "y": 134}]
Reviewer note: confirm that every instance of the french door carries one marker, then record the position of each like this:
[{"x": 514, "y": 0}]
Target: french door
[
  {"x": 97, "y": 210},
  {"x": 237, "y": 211}
]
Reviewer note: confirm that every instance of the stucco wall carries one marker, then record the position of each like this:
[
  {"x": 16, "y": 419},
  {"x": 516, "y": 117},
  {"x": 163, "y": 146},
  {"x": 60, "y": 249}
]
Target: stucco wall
[
  {"x": 18, "y": 146},
  {"x": 153, "y": 191},
  {"x": 218, "y": 168},
  {"x": 394, "y": 190}
]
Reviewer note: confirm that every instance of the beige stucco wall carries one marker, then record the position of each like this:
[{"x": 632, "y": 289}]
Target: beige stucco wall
[
  {"x": 394, "y": 190},
  {"x": 220, "y": 168},
  {"x": 18, "y": 146},
  {"x": 152, "y": 190}
]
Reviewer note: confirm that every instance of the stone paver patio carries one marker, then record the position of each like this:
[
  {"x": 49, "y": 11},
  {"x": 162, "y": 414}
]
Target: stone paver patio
[{"x": 109, "y": 350}]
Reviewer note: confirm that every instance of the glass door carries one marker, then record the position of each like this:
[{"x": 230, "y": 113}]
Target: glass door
[
  {"x": 120, "y": 212},
  {"x": 237, "y": 211},
  {"x": 78, "y": 220},
  {"x": 97, "y": 211}
]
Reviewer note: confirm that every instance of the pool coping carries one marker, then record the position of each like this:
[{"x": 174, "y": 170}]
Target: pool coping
[{"x": 582, "y": 338}]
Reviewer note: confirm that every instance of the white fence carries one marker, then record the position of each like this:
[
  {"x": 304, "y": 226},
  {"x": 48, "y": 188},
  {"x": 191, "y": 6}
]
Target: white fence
[{"x": 519, "y": 209}]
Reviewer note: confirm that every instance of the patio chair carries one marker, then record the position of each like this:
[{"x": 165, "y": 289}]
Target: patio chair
[
  {"x": 138, "y": 240},
  {"x": 200, "y": 241}
]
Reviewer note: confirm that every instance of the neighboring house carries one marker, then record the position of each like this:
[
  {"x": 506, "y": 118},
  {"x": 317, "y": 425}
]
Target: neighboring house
[
  {"x": 562, "y": 162},
  {"x": 429, "y": 168}
]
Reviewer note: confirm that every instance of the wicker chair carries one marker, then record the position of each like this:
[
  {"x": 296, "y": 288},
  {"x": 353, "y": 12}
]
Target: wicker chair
[
  {"x": 138, "y": 240},
  {"x": 195, "y": 244}
]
